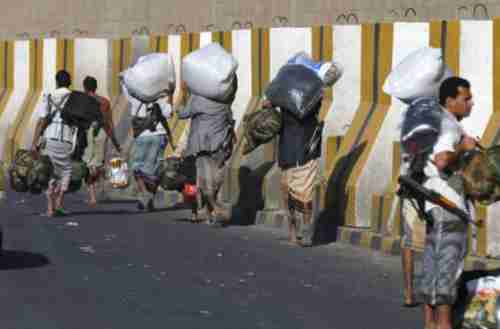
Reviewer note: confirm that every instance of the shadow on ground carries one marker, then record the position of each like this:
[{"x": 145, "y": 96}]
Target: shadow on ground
[{"x": 13, "y": 260}]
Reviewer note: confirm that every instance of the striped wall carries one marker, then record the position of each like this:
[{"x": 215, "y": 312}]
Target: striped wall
[{"x": 360, "y": 160}]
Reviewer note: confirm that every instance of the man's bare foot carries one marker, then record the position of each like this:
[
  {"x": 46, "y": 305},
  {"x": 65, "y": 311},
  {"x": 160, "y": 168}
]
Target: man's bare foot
[{"x": 50, "y": 213}]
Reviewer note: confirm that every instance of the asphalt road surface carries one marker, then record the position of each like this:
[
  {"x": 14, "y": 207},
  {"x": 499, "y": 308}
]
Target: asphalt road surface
[{"x": 114, "y": 268}]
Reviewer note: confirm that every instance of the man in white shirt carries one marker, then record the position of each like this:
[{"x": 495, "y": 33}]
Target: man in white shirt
[
  {"x": 445, "y": 245},
  {"x": 149, "y": 148},
  {"x": 59, "y": 142}
]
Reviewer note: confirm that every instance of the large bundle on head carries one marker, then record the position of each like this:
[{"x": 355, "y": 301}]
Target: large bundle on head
[
  {"x": 210, "y": 72},
  {"x": 296, "y": 89},
  {"x": 151, "y": 77},
  {"x": 481, "y": 173},
  {"x": 419, "y": 75}
]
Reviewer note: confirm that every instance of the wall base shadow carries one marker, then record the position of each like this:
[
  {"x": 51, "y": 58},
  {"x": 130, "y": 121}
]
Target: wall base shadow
[
  {"x": 332, "y": 217},
  {"x": 250, "y": 199}
]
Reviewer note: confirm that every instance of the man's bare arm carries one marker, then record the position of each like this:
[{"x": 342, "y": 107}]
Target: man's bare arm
[{"x": 41, "y": 125}]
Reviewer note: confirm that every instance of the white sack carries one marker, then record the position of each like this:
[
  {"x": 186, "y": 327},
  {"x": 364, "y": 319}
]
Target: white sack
[
  {"x": 152, "y": 76},
  {"x": 209, "y": 71},
  {"x": 418, "y": 75}
]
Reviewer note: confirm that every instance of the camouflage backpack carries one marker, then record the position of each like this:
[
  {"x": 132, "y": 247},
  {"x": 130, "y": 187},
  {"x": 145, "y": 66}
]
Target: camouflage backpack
[
  {"x": 481, "y": 173},
  {"x": 39, "y": 176},
  {"x": 170, "y": 177},
  {"x": 20, "y": 169},
  {"x": 260, "y": 127}
]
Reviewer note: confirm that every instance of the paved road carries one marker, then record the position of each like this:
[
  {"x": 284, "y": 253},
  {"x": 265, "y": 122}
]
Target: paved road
[{"x": 115, "y": 268}]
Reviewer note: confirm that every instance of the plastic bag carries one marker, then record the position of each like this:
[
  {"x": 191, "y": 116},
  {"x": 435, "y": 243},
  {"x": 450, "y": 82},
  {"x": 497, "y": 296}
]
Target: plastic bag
[
  {"x": 118, "y": 173},
  {"x": 421, "y": 126},
  {"x": 39, "y": 176},
  {"x": 418, "y": 75},
  {"x": 296, "y": 89},
  {"x": 151, "y": 77},
  {"x": 481, "y": 307},
  {"x": 210, "y": 71},
  {"x": 328, "y": 72}
]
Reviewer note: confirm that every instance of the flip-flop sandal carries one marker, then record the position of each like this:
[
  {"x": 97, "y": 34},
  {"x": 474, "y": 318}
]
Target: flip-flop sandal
[{"x": 60, "y": 212}]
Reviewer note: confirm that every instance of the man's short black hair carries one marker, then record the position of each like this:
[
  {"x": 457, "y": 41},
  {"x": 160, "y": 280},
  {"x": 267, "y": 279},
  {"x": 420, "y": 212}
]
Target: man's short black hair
[
  {"x": 90, "y": 84},
  {"x": 449, "y": 88},
  {"x": 63, "y": 79}
]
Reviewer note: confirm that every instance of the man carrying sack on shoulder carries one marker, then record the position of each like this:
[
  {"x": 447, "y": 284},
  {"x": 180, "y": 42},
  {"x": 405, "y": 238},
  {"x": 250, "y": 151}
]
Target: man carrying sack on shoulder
[
  {"x": 210, "y": 141},
  {"x": 299, "y": 150},
  {"x": 59, "y": 141}
]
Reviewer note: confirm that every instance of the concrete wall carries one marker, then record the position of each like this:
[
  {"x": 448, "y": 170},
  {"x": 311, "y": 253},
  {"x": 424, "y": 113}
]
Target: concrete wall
[
  {"x": 118, "y": 18},
  {"x": 360, "y": 150}
]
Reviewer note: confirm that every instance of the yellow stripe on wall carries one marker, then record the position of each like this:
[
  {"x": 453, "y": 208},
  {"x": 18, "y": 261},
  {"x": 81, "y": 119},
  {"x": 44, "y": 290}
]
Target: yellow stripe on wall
[
  {"x": 158, "y": 44},
  {"x": 225, "y": 39},
  {"x": 435, "y": 34},
  {"x": 189, "y": 43},
  {"x": 337, "y": 170},
  {"x": 7, "y": 72},
  {"x": 373, "y": 123},
  {"x": 121, "y": 60},
  {"x": 65, "y": 55},
  {"x": 260, "y": 60},
  {"x": 322, "y": 50},
  {"x": 492, "y": 132},
  {"x": 453, "y": 46}
]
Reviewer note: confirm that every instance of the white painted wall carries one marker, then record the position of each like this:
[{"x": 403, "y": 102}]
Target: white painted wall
[
  {"x": 284, "y": 43},
  {"x": 242, "y": 51},
  {"x": 48, "y": 86},
  {"x": 91, "y": 59},
  {"x": 347, "y": 91},
  {"x": 377, "y": 173}
]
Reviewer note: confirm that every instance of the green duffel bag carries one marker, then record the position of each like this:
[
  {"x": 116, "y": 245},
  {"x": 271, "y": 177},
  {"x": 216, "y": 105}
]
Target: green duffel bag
[
  {"x": 79, "y": 172},
  {"x": 20, "y": 169},
  {"x": 170, "y": 177},
  {"x": 481, "y": 173},
  {"x": 39, "y": 176},
  {"x": 260, "y": 127}
]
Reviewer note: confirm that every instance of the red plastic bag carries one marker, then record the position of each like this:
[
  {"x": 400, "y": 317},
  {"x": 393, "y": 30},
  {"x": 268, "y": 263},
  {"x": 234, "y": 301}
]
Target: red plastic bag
[{"x": 189, "y": 192}]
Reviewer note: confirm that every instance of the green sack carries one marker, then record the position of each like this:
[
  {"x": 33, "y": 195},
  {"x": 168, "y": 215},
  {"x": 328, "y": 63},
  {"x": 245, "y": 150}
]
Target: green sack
[
  {"x": 493, "y": 158},
  {"x": 170, "y": 178},
  {"x": 20, "y": 169},
  {"x": 79, "y": 172},
  {"x": 260, "y": 127},
  {"x": 39, "y": 176},
  {"x": 481, "y": 173}
]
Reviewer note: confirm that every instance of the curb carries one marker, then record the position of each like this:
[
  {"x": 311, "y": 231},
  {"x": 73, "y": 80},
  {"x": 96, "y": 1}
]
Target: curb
[{"x": 364, "y": 238}]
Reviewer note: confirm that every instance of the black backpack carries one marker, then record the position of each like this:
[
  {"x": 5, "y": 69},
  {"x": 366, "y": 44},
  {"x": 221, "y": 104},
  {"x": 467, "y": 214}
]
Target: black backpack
[{"x": 81, "y": 110}]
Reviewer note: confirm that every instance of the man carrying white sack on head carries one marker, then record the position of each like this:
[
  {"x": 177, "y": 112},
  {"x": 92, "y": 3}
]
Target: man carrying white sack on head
[
  {"x": 149, "y": 86},
  {"x": 210, "y": 77}
]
